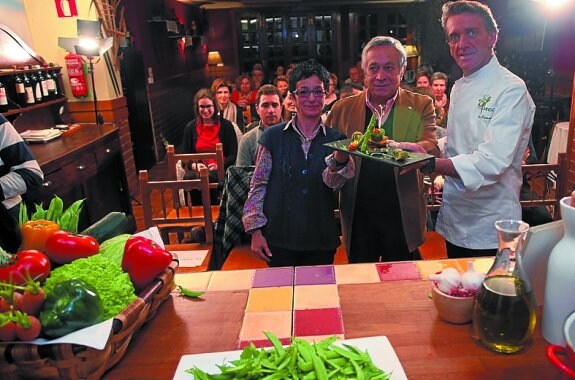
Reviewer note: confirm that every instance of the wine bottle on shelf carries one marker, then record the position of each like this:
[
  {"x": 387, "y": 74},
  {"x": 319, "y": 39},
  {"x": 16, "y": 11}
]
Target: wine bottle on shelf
[
  {"x": 37, "y": 86},
  {"x": 29, "y": 88},
  {"x": 50, "y": 85},
  {"x": 20, "y": 90},
  {"x": 56, "y": 77},
  {"x": 43, "y": 85},
  {"x": 3, "y": 98}
]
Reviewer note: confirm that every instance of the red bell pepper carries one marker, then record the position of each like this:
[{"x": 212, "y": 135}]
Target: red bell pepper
[
  {"x": 63, "y": 247},
  {"x": 23, "y": 265},
  {"x": 143, "y": 260}
]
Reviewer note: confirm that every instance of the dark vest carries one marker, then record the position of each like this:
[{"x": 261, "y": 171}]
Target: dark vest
[{"x": 298, "y": 205}]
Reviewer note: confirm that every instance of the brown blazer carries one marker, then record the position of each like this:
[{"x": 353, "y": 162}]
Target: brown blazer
[{"x": 413, "y": 121}]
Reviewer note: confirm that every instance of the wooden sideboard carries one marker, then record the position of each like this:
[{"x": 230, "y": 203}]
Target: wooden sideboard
[{"x": 84, "y": 163}]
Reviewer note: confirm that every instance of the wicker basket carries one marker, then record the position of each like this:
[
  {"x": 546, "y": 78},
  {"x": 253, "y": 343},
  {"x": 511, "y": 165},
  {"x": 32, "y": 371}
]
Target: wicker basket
[{"x": 73, "y": 361}]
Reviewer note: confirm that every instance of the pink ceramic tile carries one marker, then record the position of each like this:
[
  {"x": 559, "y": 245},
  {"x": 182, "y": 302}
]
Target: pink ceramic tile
[
  {"x": 315, "y": 275},
  {"x": 397, "y": 271},
  {"x": 316, "y": 322},
  {"x": 277, "y": 322},
  {"x": 315, "y": 297},
  {"x": 356, "y": 274},
  {"x": 273, "y": 277},
  {"x": 262, "y": 343},
  {"x": 270, "y": 299}
]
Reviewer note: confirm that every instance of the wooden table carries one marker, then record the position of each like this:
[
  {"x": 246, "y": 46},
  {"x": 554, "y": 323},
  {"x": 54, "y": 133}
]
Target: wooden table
[{"x": 427, "y": 347}]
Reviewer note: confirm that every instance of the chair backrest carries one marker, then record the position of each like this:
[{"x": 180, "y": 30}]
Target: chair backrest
[
  {"x": 162, "y": 208},
  {"x": 547, "y": 185},
  {"x": 190, "y": 158}
]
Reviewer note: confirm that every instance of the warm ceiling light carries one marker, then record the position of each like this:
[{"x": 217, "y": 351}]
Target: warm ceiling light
[{"x": 555, "y": 3}]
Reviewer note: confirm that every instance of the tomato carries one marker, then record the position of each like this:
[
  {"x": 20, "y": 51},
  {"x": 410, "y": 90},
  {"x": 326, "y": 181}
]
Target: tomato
[
  {"x": 64, "y": 247},
  {"x": 353, "y": 146},
  {"x": 8, "y": 331},
  {"x": 35, "y": 233},
  {"x": 31, "y": 302},
  {"x": 14, "y": 302},
  {"x": 16, "y": 267},
  {"x": 29, "y": 330}
]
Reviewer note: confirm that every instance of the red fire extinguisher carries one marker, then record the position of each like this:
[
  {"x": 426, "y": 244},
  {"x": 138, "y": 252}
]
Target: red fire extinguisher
[{"x": 77, "y": 76}]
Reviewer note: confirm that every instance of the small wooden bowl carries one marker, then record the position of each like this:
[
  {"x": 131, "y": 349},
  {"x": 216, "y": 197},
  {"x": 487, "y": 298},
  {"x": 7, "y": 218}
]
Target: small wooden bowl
[{"x": 457, "y": 310}]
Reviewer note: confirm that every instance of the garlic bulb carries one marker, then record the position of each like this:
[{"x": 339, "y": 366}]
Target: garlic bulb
[
  {"x": 471, "y": 280},
  {"x": 448, "y": 279}
]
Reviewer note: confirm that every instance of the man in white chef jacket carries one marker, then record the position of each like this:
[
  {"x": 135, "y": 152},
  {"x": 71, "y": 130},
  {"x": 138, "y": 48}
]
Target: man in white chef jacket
[{"x": 488, "y": 129}]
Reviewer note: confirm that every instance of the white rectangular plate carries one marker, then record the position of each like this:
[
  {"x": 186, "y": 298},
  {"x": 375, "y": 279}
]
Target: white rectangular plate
[{"x": 379, "y": 348}]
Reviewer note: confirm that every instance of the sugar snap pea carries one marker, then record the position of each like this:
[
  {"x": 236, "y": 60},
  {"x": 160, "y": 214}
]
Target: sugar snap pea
[{"x": 188, "y": 292}]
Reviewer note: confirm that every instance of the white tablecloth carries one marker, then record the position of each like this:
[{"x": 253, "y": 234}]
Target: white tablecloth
[{"x": 558, "y": 142}]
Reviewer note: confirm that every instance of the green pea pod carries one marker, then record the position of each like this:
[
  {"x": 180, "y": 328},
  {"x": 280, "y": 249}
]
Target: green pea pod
[
  {"x": 39, "y": 213},
  {"x": 55, "y": 209},
  {"x": 189, "y": 293},
  {"x": 372, "y": 124},
  {"x": 64, "y": 221},
  {"x": 23, "y": 214}
]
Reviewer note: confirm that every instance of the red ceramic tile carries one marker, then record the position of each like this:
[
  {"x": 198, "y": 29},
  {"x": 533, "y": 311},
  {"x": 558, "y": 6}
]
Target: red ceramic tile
[
  {"x": 262, "y": 343},
  {"x": 318, "y": 322},
  {"x": 397, "y": 271}
]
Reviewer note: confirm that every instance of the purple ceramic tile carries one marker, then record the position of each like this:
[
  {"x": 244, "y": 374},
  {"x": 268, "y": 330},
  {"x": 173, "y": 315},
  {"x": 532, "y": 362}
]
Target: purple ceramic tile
[
  {"x": 273, "y": 277},
  {"x": 315, "y": 275},
  {"x": 318, "y": 322},
  {"x": 397, "y": 271}
]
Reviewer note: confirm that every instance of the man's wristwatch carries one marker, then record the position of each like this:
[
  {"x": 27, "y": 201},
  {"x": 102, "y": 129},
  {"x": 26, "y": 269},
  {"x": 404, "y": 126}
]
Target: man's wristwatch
[{"x": 429, "y": 167}]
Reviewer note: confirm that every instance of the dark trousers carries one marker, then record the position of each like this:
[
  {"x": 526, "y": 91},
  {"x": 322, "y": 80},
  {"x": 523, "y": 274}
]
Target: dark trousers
[
  {"x": 287, "y": 258},
  {"x": 455, "y": 251}
]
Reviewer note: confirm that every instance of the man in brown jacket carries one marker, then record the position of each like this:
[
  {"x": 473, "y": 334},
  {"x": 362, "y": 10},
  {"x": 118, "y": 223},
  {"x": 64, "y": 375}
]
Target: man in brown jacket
[{"x": 384, "y": 212}]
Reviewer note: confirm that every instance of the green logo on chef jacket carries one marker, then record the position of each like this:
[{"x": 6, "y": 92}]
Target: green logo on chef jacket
[{"x": 482, "y": 104}]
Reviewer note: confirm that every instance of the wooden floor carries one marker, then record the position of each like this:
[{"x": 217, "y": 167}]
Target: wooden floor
[{"x": 241, "y": 258}]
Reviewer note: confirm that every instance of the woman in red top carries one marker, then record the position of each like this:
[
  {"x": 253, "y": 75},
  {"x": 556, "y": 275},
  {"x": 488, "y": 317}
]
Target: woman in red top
[
  {"x": 244, "y": 96},
  {"x": 203, "y": 133}
]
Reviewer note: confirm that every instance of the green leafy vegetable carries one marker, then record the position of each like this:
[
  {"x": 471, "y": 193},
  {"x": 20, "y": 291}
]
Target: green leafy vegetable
[
  {"x": 299, "y": 360},
  {"x": 113, "y": 249},
  {"x": 111, "y": 283}
]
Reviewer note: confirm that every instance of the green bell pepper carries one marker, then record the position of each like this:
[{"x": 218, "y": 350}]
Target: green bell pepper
[{"x": 72, "y": 305}]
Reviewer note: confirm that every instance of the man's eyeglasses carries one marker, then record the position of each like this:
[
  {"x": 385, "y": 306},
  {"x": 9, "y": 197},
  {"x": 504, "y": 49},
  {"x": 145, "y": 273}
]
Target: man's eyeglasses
[
  {"x": 206, "y": 107},
  {"x": 307, "y": 93}
]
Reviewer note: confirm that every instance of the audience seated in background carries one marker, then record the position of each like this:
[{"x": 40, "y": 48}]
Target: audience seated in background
[
  {"x": 282, "y": 83},
  {"x": 258, "y": 77},
  {"x": 439, "y": 86},
  {"x": 349, "y": 90},
  {"x": 422, "y": 79},
  {"x": 279, "y": 71},
  {"x": 269, "y": 109},
  {"x": 288, "y": 108},
  {"x": 228, "y": 110},
  {"x": 440, "y": 117},
  {"x": 355, "y": 76},
  {"x": 244, "y": 96},
  {"x": 331, "y": 96},
  {"x": 203, "y": 133}
]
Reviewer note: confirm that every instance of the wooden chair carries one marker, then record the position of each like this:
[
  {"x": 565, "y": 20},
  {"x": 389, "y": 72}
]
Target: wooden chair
[
  {"x": 162, "y": 207},
  {"x": 193, "y": 158},
  {"x": 547, "y": 185}
]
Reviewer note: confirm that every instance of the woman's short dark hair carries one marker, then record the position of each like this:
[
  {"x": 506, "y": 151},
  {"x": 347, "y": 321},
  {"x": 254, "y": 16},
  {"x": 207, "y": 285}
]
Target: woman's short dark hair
[
  {"x": 206, "y": 93},
  {"x": 305, "y": 70}
]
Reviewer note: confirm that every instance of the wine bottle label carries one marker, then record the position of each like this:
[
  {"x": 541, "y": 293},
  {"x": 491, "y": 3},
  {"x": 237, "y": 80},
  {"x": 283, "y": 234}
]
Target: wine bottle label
[
  {"x": 50, "y": 84},
  {"x": 44, "y": 88},
  {"x": 3, "y": 97},
  {"x": 29, "y": 96},
  {"x": 38, "y": 91},
  {"x": 20, "y": 88}
]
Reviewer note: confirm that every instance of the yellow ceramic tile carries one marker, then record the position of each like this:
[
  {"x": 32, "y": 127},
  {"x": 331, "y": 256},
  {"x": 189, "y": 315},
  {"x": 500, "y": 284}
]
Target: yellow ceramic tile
[
  {"x": 319, "y": 338},
  {"x": 356, "y": 274},
  {"x": 195, "y": 281},
  {"x": 483, "y": 265},
  {"x": 231, "y": 280},
  {"x": 315, "y": 297},
  {"x": 428, "y": 267},
  {"x": 270, "y": 299},
  {"x": 277, "y": 322}
]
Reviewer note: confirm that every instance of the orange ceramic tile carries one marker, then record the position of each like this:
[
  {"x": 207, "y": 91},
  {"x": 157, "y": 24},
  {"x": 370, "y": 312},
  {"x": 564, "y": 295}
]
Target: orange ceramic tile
[
  {"x": 356, "y": 274},
  {"x": 231, "y": 280},
  {"x": 428, "y": 267},
  {"x": 277, "y": 322},
  {"x": 270, "y": 299},
  {"x": 195, "y": 281},
  {"x": 315, "y": 297}
]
